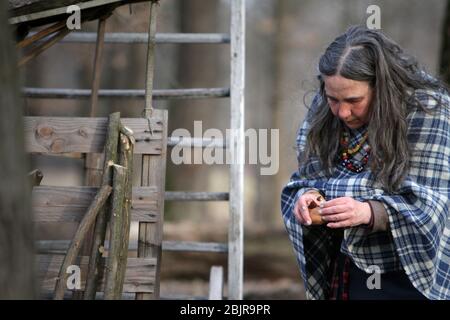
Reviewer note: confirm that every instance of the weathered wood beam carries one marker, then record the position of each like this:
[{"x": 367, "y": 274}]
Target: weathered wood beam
[
  {"x": 112, "y": 285},
  {"x": 139, "y": 277},
  {"x": 69, "y": 204},
  {"x": 86, "y": 135},
  {"x": 45, "y": 11},
  {"x": 111, "y": 157},
  {"x": 126, "y": 159}
]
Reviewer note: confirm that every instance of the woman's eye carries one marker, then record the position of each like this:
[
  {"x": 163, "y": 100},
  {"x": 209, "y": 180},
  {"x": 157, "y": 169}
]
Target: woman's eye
[{"x": 332, "y": 101}]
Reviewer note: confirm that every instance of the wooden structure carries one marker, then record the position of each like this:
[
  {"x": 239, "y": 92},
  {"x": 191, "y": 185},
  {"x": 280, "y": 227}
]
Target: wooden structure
[
  {"x": 56, "y": 206},
  {"x": 34, "y": 13},
  {"x": 40, "y": 12}
]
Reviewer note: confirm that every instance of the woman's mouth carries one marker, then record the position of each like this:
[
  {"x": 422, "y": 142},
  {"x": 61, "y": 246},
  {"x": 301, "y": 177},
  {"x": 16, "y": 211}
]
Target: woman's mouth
[{"x": 352, "y": 123}]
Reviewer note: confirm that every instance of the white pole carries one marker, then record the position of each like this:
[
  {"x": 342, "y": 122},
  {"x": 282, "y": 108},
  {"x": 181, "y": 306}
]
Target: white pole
[{"x": 237, "y": 149}]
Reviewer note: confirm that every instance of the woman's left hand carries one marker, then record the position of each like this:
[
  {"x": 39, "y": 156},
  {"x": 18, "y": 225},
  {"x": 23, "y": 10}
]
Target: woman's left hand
[{"x": 345, "y": 212}]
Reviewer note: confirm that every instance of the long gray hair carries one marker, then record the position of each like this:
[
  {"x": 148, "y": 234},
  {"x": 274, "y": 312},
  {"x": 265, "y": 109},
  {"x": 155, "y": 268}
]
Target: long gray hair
[{"x": 362, "y": 54}]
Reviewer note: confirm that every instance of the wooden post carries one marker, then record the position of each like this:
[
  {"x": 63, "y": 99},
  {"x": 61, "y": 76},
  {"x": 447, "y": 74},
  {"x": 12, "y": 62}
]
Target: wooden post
[
  {"x": 94, "y": 162},
  {"x": 126, "y": 159},
  {"x": 150, "y": 234},
  {"x": 236, "y": 145},
  {"x": 121, "y": 218},
  {"x": 17, "y": 272},
  {"x": 150, "y": 59},
  {"x": 83, "y": 229},
  {"x": 101, "y": 222},
  {"x": 112, "y": 290},
  {"x": 97, "y": 65},
  {"x": 216, "y": 283}
]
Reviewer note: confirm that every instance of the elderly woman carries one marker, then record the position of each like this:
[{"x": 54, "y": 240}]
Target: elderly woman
[{"x": 376, "y": 145}]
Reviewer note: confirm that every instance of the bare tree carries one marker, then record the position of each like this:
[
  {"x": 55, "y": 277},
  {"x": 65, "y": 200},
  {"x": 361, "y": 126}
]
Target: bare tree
[
  {"x": 445, "y": 49},
  {"x": 16, "y": 236}
]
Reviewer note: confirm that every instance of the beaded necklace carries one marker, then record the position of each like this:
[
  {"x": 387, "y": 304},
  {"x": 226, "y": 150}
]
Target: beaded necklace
[{"x": 347, "y": 154}]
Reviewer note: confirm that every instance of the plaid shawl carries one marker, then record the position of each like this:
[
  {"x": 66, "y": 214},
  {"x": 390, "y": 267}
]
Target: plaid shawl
[{"x": 418, "y": 239}]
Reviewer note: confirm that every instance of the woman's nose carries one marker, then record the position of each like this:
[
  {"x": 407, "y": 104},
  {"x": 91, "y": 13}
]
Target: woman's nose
[{"x": 344, "y": 111}]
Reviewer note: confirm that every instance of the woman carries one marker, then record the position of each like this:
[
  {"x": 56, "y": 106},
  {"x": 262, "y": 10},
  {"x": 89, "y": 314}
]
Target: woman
[{"x": 376, "y": 144}]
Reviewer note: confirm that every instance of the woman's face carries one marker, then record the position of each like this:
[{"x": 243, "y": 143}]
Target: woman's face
[{"x": 349, "y": 100}]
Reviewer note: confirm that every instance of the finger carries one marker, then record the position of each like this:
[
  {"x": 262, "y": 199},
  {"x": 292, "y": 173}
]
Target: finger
[
  {"x": 334, "y": 202},
  {"x": 335, "y": 217},
  {"x": 303, "y": 208},
  {"x": 334, "y": 209},
  {"x": 336, "y": 225},
  {"x": 297, "y": 214}
]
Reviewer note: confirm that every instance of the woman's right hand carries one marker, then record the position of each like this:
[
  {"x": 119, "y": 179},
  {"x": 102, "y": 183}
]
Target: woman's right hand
[{"x": 301, "y": 210}]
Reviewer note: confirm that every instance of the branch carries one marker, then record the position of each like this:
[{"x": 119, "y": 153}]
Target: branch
[
  {"x": 100, "y": 225},
  {"x": 74, "y": 248},
  {"x": 126, "y": 159},
  {"x": 115, "y": 240}
]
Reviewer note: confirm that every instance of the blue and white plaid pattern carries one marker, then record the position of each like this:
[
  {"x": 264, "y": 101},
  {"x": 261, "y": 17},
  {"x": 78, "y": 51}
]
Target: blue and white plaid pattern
[{"x": 418, "y": 240}]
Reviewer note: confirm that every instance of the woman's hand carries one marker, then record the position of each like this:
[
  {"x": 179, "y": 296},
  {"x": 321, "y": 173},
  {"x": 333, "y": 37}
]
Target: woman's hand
[
  {"x": 301, "y": 210},
  {"x": 345, "y": 212}
]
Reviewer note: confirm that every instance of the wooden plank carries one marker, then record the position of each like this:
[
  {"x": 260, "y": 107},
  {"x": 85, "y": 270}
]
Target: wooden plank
[
  {"x": 69, "y": 204},
  {"x": 59, "y": 8},
  {"x": 27, "y": 7},
  {"x": 216, "y": 283},
  {"x": 134, "y": 37},
  {"x": 159, "y": 94},
  {"x": 61, "y": 246},
  {"x": 87, "y": 135},
  {"x": 193, "y": 246},
  {"x": 30, "y": 6},
  {"x": 196, "y": 196},
  {"x": 139, "y": 276},
  {"x": 196, "y": 142},
  {"x": 48, "y": 295},
  {"x": 237, "y": 146},
  {"x": 150, "y": 235}
]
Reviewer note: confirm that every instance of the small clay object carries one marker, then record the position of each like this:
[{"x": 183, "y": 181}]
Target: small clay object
[{"x": 314, "y": 207}]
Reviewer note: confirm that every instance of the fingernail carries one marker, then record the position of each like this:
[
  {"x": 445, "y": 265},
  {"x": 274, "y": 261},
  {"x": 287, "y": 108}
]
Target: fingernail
[
  {"x": 321, "y": 205},
  {"x": 308, "y": 223},
  {"x": 320, "y": 211}
]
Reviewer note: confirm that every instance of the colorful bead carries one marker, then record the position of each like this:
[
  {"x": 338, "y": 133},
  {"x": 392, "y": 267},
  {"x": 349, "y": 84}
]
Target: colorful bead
[{"x": 346, "y": 154}]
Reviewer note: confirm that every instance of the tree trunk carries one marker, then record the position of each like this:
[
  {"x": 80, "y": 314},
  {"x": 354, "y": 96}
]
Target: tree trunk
[
  {"x": 445, "y": 48},
  {"x": 16, "y": 230}
]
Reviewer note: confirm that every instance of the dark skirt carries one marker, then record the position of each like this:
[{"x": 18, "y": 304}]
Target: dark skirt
[
  {"x": 393, "y": 286},
  {"x": 351, "y": 283}
]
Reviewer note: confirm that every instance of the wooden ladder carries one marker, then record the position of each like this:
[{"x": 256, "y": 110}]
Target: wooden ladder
[{"x": 150, "y": 234}]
